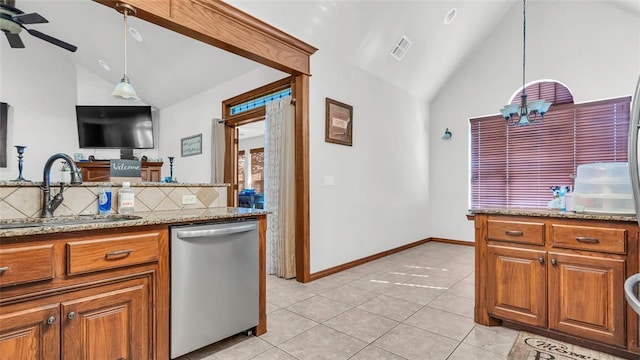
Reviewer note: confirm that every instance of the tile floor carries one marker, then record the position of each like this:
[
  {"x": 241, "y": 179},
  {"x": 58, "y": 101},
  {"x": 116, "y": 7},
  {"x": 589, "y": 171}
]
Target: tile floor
[{"x": 416, "y": 304}]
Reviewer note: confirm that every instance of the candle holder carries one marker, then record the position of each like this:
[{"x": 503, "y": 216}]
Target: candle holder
[
  {"x": 20, "y": 150},
  {"x": 171, "y": 168}
]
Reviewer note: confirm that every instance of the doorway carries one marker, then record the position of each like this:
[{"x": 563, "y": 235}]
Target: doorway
[{"x": 245, "y": 160}]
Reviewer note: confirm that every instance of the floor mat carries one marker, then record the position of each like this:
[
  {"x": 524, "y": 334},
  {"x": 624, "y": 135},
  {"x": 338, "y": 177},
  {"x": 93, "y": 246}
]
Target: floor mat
[{"x": 535, "y": 347}]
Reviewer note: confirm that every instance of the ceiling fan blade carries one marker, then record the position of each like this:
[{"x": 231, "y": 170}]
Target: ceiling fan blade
[
  {"x": 14, "y": 40},
  {"x": 53, "y": 40},
  {"x": 33, "y": 18}
]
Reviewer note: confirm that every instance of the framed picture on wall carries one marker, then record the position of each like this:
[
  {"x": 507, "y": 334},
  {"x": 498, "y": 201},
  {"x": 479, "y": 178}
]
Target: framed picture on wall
[
  {"x": 339, "y": 123},
  {"x": 191, "y": 145}
]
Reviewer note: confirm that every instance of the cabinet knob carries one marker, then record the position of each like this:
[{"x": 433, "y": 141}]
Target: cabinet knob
[
  {"x": 541, "y": 260},
  {"x": 554, "y": 262},
  {"x": 71, "y": 315},
  {"x": 51, "y": 320}
]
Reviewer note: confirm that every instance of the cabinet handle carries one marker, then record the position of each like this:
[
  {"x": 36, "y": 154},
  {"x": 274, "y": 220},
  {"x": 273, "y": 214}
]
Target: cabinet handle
[
  {"x": 3, "y": 269},
  {"x": 51, "y": 320},
  {"x": 514, "y": 233},
  {"x": 554, "y": 262},
  {"x": 586, "y": 239},
  {"x": 71, "y": 315},
  {"x": 118, "y": 253},
  {"x": 541, "y": 260}
]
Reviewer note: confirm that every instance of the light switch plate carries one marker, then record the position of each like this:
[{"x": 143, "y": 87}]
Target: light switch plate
[{"x": 188, "y": 199}]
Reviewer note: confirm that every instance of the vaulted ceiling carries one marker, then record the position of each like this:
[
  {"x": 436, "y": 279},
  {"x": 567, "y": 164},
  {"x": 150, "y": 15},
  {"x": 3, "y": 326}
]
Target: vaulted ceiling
[{"x": 167, "y": 67}]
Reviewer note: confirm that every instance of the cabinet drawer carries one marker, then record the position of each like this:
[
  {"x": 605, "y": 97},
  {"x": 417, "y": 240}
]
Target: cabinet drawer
[
  {"x": 111, "y": 252},
  {"x": 19, "y": 265},
  {"x": 516, "y": 231},
  {"x": 589, "y": 238}
]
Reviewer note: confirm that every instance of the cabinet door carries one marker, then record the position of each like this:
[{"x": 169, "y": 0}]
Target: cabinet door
[
  {"x": 112, "y": 324},
  {"x": 516, "y": 284},
  {"x": 30, "y": 334},
  {"x": 586, "y": 297},
  {"x": 154, "y": 174}
]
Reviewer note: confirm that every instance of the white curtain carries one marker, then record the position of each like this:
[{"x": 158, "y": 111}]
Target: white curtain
[
  {"x": 280, "y": 187},
  {"x": 217, "y": 152}
]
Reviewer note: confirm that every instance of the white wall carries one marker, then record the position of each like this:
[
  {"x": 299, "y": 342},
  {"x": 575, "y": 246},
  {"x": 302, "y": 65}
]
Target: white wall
[
  {"x": 380, "y": 198},
  {"x": 194, "y": 116},
  {"x": 591, "y": 47},
  {"x": 40, "y": 87}
]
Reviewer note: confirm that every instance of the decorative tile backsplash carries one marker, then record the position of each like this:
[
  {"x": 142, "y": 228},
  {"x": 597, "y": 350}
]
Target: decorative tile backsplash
[{"x": 24, "y": 200}]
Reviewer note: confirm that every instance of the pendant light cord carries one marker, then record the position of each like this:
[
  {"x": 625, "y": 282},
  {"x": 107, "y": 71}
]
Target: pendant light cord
[
  {"x": 524, "y": 42},
  {"x": 124, "y": 32}
]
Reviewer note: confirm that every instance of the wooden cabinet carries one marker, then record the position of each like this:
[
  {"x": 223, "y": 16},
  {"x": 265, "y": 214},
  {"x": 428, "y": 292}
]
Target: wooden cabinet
[
  {"x": 517, "y": 284},
  {"x": 98, "y": 171},
  {"x": 108, "y": 325},
  {"x": 32, "y": 333},
  {"x": 93, "y": 304},
  {"x": 564, "y": 276},
  {"x": 586, "y": 297}
]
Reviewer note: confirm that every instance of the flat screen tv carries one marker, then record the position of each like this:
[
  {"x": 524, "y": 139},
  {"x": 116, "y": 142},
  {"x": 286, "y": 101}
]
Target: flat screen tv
[{"x": 115, "y": 127}]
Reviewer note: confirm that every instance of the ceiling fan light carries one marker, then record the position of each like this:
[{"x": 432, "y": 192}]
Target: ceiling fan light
[{"x": 124, "y": 90}]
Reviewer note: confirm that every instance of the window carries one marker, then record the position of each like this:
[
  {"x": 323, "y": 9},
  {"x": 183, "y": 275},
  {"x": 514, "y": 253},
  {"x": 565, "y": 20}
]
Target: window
[
  {"x": 241, "y": 169},
  {"x": 257, "y": 169},
  {"x": 260, "y": 101},
  {"x": 516, "y": 166}
]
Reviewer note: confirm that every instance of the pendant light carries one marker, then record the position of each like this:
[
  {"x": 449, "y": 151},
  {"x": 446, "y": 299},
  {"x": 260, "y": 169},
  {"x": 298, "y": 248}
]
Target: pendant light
[
  {"x": 535, "y": 110},
  {"x": 124, "y": 89}
]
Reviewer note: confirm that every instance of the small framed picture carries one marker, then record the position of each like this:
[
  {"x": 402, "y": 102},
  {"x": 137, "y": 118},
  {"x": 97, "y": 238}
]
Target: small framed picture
[
  {"x": 191, "y": 145},
  {"x": 339, "y": 123}
]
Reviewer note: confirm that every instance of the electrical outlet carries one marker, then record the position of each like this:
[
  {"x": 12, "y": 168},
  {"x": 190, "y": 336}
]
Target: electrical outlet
[{"x": 188, "y": 199}]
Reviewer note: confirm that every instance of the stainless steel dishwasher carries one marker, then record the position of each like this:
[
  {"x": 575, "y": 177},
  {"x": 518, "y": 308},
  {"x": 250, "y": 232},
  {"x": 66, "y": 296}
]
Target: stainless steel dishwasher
[{"x": 214, "y": 283}]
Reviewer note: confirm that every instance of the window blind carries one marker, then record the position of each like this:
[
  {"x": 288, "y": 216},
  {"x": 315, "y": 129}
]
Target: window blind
[{"x": 516, "y": 166}]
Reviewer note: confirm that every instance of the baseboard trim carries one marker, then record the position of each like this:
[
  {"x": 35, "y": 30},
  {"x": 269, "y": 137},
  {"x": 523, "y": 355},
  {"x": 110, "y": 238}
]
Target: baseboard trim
[
  {"x": 354, "y": 263},
  {"x": 455, "y": 242}
]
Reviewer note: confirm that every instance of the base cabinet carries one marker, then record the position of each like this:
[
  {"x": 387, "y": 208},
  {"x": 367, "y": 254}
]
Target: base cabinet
[
  {"x": 32, "y": 333},
  {"x": 105, "y": 313},
  {"x": 565, "y": 277},
  {"x": 111, "y": 324},
  {"x": 517, "y": 284},
  {"x": 585, "y": 295}
]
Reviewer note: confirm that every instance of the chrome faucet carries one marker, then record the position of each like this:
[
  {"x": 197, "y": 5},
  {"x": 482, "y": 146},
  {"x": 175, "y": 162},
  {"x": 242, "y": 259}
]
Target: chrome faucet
[{"x": 49, "y": 205}]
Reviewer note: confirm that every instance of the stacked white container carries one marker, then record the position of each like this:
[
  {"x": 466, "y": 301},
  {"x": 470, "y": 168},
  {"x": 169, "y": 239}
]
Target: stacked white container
[{"x": 603, "y": 188}]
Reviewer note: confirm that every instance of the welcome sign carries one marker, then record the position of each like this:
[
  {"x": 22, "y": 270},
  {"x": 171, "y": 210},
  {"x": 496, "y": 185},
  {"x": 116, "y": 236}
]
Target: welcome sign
[{"x": 125, "y": 168}]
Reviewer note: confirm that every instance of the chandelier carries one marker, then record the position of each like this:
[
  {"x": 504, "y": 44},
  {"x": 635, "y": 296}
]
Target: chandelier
[{"x": 526, "y": 113}]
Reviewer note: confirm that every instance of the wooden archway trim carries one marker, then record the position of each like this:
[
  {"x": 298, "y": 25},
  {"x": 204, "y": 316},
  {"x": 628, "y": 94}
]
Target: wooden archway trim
[{"x": 221, "y": 25}]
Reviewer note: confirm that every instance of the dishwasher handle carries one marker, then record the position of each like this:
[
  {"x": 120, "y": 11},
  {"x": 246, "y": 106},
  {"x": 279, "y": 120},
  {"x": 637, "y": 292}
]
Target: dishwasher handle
[
  {"x": 632, "y": 299},
  {"x": 188, "y": 234}
]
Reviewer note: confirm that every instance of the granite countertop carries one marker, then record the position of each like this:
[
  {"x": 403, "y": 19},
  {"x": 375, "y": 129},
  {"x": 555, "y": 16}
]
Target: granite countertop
[
  {"x": 554, "y": 213},
  {"x": 94, "y": 222}
]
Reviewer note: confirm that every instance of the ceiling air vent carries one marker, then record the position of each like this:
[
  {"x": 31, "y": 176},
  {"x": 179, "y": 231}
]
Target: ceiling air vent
[{"x": 401, "y": 48}]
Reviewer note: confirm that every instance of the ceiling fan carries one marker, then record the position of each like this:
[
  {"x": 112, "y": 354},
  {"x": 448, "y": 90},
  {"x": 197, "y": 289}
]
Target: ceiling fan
[{"x": 12, "y": 22}]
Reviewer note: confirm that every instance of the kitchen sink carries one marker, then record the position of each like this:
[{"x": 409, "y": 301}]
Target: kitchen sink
[{"x": 65, "y": 220}]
